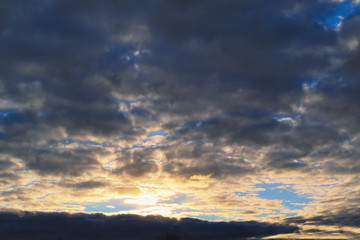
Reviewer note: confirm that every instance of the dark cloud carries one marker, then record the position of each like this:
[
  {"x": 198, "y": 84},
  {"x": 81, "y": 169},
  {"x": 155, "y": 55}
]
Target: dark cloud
[
  {"x": 27, "y": 225},
  {"x": 188, "y": 159},
  {"x": 240, "y": 88},
  {"x": 246, "y": 127},
  {"x": 61, "y": 61},
  {"x": 235, "y": 36},
  {"x": 237, "y": 63},
  {"x": 230, "y": 53},
  {"x": 8, "y": 169},
  {"x": 343, "y": 213},
  {"x": 345, "y": 216},
  {"x": 17, "y": 194},
  {"x": 91, "y": 184},
  {"x": 63, "y": 163},
  {"x": 89, "y": 119},
  {"x": 136, "y": 162},
  {"x": 138, "y": 168}
]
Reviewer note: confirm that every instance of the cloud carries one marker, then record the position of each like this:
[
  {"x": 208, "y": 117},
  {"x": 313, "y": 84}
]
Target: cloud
[
  {"x": 344, "y": 221},
  {"x": 70, "y": 163},
  {"x": 91, "y": 184},
  {"x": 241, "y": 63},
  {"x": 8, "y": 170},
  {"x": 347, "y": 217},
  {"x": 243, "y": 92},
  {"x": 32, "y": 225}
]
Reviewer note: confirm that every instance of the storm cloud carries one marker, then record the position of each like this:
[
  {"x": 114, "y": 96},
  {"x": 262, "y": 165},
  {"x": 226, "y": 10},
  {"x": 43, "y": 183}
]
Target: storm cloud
[{"x": 27, "y": 225}]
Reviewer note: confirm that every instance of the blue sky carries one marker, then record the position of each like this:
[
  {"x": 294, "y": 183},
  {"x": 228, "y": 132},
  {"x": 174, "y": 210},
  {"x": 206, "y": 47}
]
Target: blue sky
[
  {"x": 337, "y": 14},
  {"x": 284, "y": 193}
]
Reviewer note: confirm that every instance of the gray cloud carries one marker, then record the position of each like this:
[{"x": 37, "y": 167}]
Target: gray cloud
[
  {"x": 94, "y": 226},
  {"x": 91, "y": 184},
  {"x": 240, "y": 76},
  {"x": 72, "y": 162},
  {"x": 8, "y": 169},
  {"x": 190, "y": 159},
  {"x": 240, "y": 88},
  {"x": 344, "y": 217}
]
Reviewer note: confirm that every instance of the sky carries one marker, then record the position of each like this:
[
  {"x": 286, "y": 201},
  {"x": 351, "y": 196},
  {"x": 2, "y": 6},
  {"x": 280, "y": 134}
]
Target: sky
[{"x": 217, "y": 119}]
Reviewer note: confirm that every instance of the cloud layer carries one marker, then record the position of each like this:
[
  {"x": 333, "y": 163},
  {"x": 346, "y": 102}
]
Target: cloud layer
[
  {"x": 182, "y": 108},
  {"x": 40, "y": 226}
]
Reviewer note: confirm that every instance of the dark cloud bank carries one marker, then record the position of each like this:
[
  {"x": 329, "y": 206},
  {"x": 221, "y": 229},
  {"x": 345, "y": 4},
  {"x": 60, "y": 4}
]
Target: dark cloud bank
[
  {"x": 219, "y": 71},
  {"x": 226, "y": 72},
  {"x": 38, "y": 226},
  {"x": 344, "y": 217}
]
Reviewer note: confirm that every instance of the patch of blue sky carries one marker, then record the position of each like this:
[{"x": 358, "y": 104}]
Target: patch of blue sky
[
  {"x": 198, "y": 124},
  {"x": 86, "y": 143},
  {"x": 156, "y": 133},
  {"x": 23, "y": 185},
  {"x": 108, "y": 207},
  {"x": 137, "y": 147},
  {"x": 105, "y": 207},
  {"x": 286, "y": 193},
  {"x": 10, "y": 116},
  {"x": 5, "y": 112},
  {"x": 123, "y": 53},
  {"x": 310, "y": 83},
  {"x": 328, "y": 185},
  {"x": 290, "y": 119},
  {"x": 123, "y": 150},
  {"x": 92, "y": 143},
  {"x": 282, "y": 116},
  {"x": 211, "y": 217},
  {"x": 291, "y": 214},
  {"x": 208, "y": 121},
  {"x": 241, "y": 193},
  {"x": 338, "y": 14},
  {"x": 29, "y": 183},
  {"x": 45, "y": 196},
  {"x": 108, "y": 165}
]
